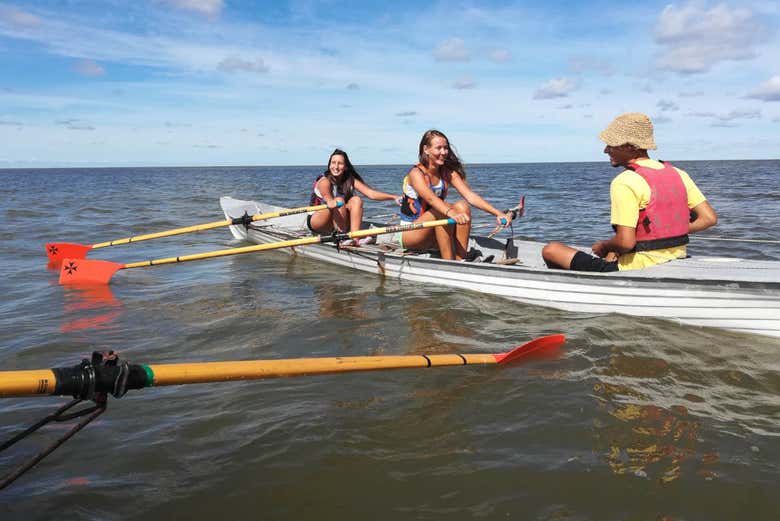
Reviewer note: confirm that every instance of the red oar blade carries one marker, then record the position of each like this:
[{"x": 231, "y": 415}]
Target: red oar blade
[
  {"x": 59, "y": 251},
  {"x": 538, "y": 344},
  {"x": 86, "y": 271}
]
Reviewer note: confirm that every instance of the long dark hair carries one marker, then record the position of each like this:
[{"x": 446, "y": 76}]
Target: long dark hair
[
  {"x": 452, "y": 163},
  {"x": 344, "y": 183}
]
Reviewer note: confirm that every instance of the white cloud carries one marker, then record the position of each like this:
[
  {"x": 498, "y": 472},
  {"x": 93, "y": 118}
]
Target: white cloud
[
  {"x": 691, "y": 94},
  {"x": 661, "y": 120},
  {"x": 8, "y": 123},
  {"x": 236, "y": 63},
  {"x": 667, "y": 105},
  {"x": 500, "y": 55},
  {"x": 464, "y": 83},
  {"x": 452, "y": 50},
  {"x": 406, "y": 114},
  {"x": 353, "y": 86},
  {"x": 210, "y": 8},
  {"x": 767, "y": 91},
  {"x": 694, "y": 38},
  {"x": 17, "y": 18},
  {"x": 726, "y": 119},
  {"x": 556, "y": 88},
  {"x": 89, "y": 68}
]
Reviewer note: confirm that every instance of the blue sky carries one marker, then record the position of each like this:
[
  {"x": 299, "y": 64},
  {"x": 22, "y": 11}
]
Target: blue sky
[{"x": 222, "y": 82}]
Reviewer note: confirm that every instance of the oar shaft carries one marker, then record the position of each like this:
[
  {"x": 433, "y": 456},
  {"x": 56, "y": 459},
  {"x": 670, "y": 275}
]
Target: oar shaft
[
  {"x": 727, "y": 239},
  {"x": 168, "y": 233},
  {"x": 291, "y": 243},
  {"x": 26, "y": 383},
  {"x": 106, "y": 374},
  {"x": 211, "y": 225},
  {"x": 176, "y": 374},
  {"x": 69, "y": 381},
  {"x": 222, "y": 253}
]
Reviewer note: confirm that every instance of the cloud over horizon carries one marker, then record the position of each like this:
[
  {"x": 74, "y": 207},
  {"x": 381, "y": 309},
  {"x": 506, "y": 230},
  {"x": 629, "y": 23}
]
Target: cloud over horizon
[{"x": 693, "y": 38}]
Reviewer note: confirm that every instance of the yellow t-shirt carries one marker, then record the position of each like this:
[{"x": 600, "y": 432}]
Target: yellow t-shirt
[{"x": 629, "y": 193}]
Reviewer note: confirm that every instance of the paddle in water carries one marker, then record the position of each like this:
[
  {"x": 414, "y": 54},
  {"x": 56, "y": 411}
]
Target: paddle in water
[
  {"x": 93, "y": 380},
  {"x": 87, "y": 271},
  {"x": 59, "y": 251},
  {"x": 116, "y": 378}
]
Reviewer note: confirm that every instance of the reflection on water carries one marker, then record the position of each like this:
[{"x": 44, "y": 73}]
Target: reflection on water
[
  {"x": 431, "y": 323},
  {"x": 641, "y": 438},
  {"x": 334, "y": 304},
  {"x": 89, "y": 307}
]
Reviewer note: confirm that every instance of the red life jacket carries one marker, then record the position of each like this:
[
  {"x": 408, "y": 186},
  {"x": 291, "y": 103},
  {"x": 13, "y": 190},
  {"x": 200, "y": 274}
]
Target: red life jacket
[{"x": 664, "y": 222}]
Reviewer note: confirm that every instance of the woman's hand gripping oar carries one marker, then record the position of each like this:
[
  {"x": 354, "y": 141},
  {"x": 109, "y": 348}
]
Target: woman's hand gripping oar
[
  {"x": 87, "y": 271},
  {"x": 59, "y": 251},
  {"x": 516, "y": 212}
]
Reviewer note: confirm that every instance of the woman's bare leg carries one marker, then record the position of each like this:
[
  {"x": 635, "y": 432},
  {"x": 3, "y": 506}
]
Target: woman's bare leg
[
  {"x": 426, "y": 238},
  {"x": 322, "y": 221},
  {"x": 325, "y": 221},
  {"x": 355, "y": 210},
  {"x": 462, "y": 231}
]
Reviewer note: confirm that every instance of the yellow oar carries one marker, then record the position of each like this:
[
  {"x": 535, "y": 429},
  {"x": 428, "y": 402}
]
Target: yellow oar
[
  {"x": 94, "y": 380},
  {"x": 85, "y": 379},
  {"x": 58, "y": 251},
  {"x": 86, "y": 271}
]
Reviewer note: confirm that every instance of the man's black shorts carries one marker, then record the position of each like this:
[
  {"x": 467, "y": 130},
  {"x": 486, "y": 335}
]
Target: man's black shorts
[{"x": 584, "y": 262}]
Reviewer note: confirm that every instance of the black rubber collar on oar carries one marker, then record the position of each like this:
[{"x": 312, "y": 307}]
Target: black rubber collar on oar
[
  {"x": 337, "y": 237},
  {"x": 103, "y": 374},
  {"x": 245, "y": 220}
]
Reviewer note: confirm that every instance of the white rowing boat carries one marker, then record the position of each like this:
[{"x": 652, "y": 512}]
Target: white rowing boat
[{"x": 727, "y": 293}]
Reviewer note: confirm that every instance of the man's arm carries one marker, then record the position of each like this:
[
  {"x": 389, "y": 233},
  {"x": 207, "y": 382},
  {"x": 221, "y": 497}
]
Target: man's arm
[
  {"x": 704, "y": 217},
  {"x": 623, "y": 241}
]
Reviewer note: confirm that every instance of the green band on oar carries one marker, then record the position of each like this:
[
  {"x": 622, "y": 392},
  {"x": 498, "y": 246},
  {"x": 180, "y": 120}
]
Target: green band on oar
[
  {"x": 86, "y": 379},
  {"x": 58, "y": 251},
  {"x": 86, "y": 271}
]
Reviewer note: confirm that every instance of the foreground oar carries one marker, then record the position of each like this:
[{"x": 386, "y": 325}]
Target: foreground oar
[
  {"x": 94, "y": 380},
  {"x": 58, "y": 251},
  {"x": 86, "y": 271},
  {"x": 97, "y": 377}
]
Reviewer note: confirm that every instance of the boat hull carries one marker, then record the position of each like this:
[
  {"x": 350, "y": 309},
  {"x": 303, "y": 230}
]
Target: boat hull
[{"x": 750, "y": 304}]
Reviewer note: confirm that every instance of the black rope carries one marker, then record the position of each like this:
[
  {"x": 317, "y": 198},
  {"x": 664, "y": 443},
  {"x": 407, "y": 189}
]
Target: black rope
[
  {"x": 92, "y": 380},
  {"x": 91, "y": 413}
]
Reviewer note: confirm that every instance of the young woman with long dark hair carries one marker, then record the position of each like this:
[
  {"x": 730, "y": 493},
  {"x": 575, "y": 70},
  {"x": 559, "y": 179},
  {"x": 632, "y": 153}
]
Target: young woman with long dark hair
[{"x": 338, "y": 183}]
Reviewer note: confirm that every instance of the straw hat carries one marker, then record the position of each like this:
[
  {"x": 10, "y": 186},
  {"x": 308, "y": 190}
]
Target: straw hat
[{"x": 633, "y": 128}]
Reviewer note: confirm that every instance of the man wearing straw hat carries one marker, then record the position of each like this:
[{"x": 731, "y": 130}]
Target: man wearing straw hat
[{"x": 652, "y": 203}]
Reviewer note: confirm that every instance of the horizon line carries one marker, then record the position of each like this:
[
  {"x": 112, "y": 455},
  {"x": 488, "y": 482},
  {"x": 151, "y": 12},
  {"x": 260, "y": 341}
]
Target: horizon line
[{"x": 101, "y": 166}]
